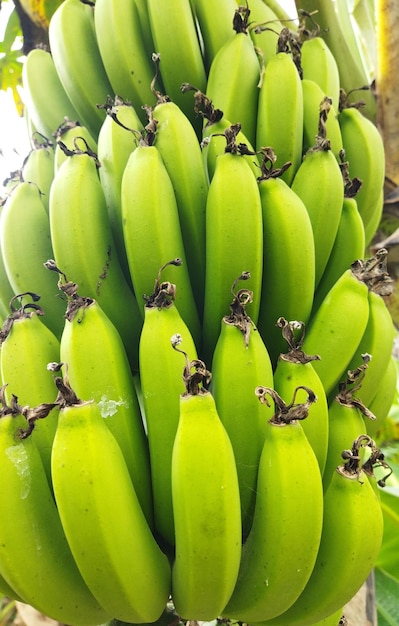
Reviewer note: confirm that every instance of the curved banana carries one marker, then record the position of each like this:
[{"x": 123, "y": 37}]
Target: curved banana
[
  {"x": 78, "y": 62},
  {"x": 319, "y": 65},
  {"x": 46, "y": 101},
  {"x": 349, "y": 245},
  {"x": 104, "y": 523},
  {"x": 319, "y": 183},
  {"x": 234, "y": 240},
  {"x": 27, "y": 346},
  {"x": 281, "y": 549},
  {"x": 234, "y": 75},
  {"x": 345, "y": 532},
  {"x": 215, "y": 25},
  {"x": 151, "y": 224},
  {"x": 31, "y": 532},
  {"x": 288, "y": 257},
  {"x": 384, "y": 397},
  {"x": 206, "y": 502},
  {"x": 240, "y": 361},
  {"x": 120, "y": 40},
  {"x": 38, "y": 167},
  {"x": 364, "y": 151},
  {"x": 26, "y": 245},
  {"x": 279, "y": 121},
  {"x": 74, "y": 136},
  {"x": 173, "y": 31},
  {"x": 264, "y": 29},
  {"x": 7, "y": 293},
  {"x": 161, "y": 386},
  {"x": 84, "y": 247},
  {"x": 99, "y": 368},
  {"x": 313, "y": 98},
  {"x": 295, "y": 368},
  {"x": 180, "y": 150}
]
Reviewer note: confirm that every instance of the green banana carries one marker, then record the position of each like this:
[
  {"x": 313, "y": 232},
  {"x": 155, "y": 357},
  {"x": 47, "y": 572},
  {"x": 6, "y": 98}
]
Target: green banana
[
  {"x": 215, "y": 25},
  {"x": 99, "y": 368},
  {"x": 151, "y": 223},
  {"x": 264, "y": 29},
  {"x": 120, "y": 40},
  {"x": 74, "y": 136},
  {"x": 46, "y": 101},
  {"x": 295, "y": 368},
  {"x": 78, "y": 62},
  {"x": 281, "y": 549},
  {"x": 161, "y": 386},
  {"x": 31, "y": 531},
  {"x": 279, "y": 120},
  {"x": 206, "y": 501},
  {"x": 319, "y": 65},
  {"x": 234, "y": 240},
  {"x": 84, "y": 247},
  {"x": 234, "y": 75},
  {"x": 173, "y": 31},
  {"x": 364, "y": 151},
  {"x": 319, "y": 183},
  {"x": 38, "y": 167},
  {"x": 104, "y": 523},
  {"x": 27, "y": 346},
  {"x": 288, "y": 256},
  {"x": 352, "y": 525},
  {"x": 384, "y": 397},
  {"x": 313, "y": 99},
  {"x": 26, "y": 244},
  {"x": 6, "y": 291},
  {"x": 240, "y": 361},
  {"x": 180, "y": 150}
]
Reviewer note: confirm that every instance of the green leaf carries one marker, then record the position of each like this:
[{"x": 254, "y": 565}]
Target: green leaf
[
  {"x": 12, "y": 31},
  {"x": 387, "y": 594}
]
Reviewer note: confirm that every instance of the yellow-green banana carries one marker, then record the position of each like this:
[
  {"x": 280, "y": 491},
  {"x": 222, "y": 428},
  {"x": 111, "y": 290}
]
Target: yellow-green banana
[
  {"x": 173, "y": 31},
  {"x": 234, "y": 77},
  {"x": 319, "y": 65},
  {"x": 295, "y": 368},
  {"x": 314, "y": 98},
  {"x": 206, "y": 502},
  {"x": 161, "y": 386},
  {"x": 281, "y": 549},
  {"x": 279, "y": 121},
  {"x": 234, "y": 240},
  {"x": 264, "y": 28},
  {"x": 99, "y": 368},
  {"x": 74, "y": 136},
  {"x": 126, "y": 61},
  {"x": 384, "y": 397},
  {"x": 364, "y": 151},
  {"x": 78, "y": 62},
  {"x": 240, "y": 361},
  {"x": 26, "y": 245},
  {"x": 215, "y": 25},
  {"x": 104, "y": 523},
  {"x": 31, "y": 532},
  {"x": 319, "y": 183},
  {"x": 288, "y": 257},
  {"x": 27, "y": 346},
  {"x": 352, "y": 525},
  {"x": 38, "y": 167},
  {"x": 84, "y": 247},
  {"x": 46, "y": 101},
  {"x": 151, "y": 223}
]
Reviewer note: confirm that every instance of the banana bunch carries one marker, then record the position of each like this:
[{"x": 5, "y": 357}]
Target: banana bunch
[{"x": 168, "y": 436}]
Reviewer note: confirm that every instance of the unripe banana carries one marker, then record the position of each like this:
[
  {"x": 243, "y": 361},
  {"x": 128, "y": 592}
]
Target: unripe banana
[
  {"x": 319, "y": 65},
  {"x": 352, "y": 525},
  {"x": 6, "y": 291},
  {"x": 264, "y": 29},
  {"x": 99, "y": 368},
  {"x": 35, "y": 558},
  {"x": 313, "y": 98},
  {"x": 215, "y": 25},
  {"x": 234, "y": 240},
  {"x": 176, "y": 40},
  {"x": 206, "y": 502},
  {"x": 364, "y": 151},
  {"x": 288, "y": 257},
  {"x": 38, "y": 167},
  {"x": 384, "y": 398},
  {"x": 45, "y": 98},
  {"x": 161, "y": 386},
  {"x": 319, "y": 183},
  {"x": 108, "y": 534},
  {"x": 295, "y": 368},
  {"x": 120, "y": 40},
  {"x": 281, "y": 549},
  {"x": 74, "y": 136},
  {"x": 78, "y": 62},
  {"x": 27, "y": 346},
  {"x": 84, "y": 247},
  {"x": 151, "y": 223},
  {"x": 280, "y": 111},
  {"x": 234, "y": 76},
  {"x": 240, "y": 361},
  {"x": 26, "y": 244}
]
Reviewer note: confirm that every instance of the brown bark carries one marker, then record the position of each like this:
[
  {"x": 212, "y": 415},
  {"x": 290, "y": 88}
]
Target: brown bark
[{"x": 33, "y": 35}]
